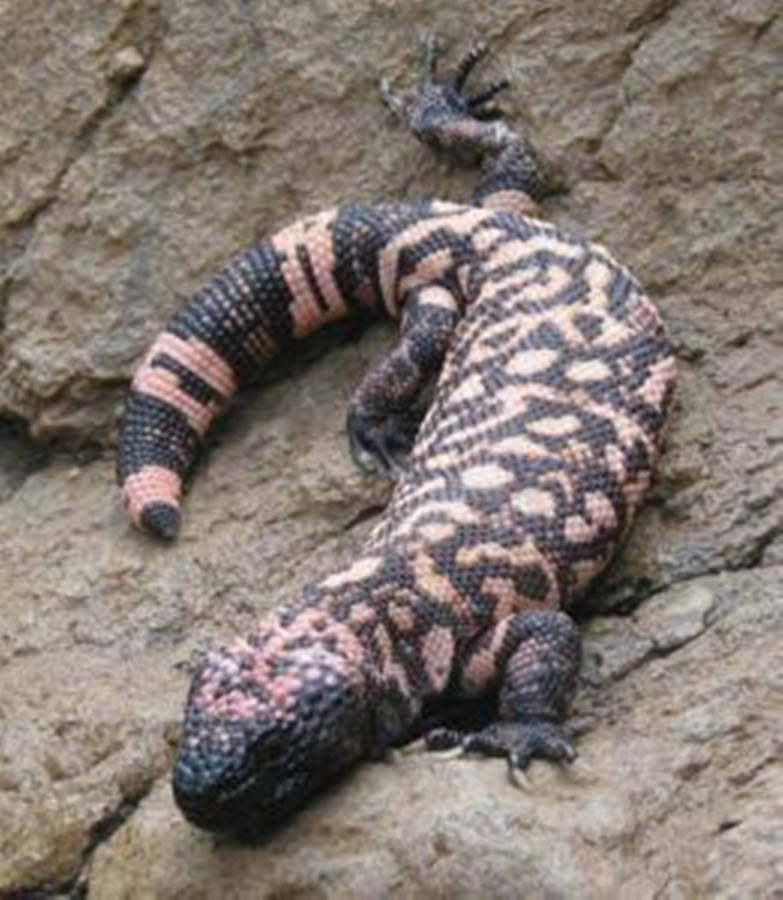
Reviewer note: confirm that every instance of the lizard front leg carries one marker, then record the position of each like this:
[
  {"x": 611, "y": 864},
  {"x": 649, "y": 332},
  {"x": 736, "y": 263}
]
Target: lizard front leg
[
  {"x": 382, "y": 417},
  {"x": 533, "y": 658}
]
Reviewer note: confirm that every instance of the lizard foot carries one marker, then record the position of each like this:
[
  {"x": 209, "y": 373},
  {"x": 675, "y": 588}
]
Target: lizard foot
[
  {"x": 441, "y": 111},
  {"x": 381, "y": 446},
  {"x": 519, "y": 742}
]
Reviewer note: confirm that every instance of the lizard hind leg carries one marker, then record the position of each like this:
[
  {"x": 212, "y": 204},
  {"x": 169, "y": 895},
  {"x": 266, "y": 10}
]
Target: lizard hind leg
[{"x": 468, "y": 127}]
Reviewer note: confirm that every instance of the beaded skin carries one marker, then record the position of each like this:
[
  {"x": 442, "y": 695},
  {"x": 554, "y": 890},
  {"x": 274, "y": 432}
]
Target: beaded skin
[{"x": 552, "y": 379}]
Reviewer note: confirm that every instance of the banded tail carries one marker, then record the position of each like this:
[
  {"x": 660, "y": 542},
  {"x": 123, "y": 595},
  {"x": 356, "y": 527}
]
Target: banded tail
[{"x": 276, "y": 292}]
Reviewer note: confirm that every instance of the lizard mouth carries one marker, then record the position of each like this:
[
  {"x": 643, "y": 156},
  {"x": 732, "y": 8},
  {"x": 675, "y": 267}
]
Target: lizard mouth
[
  {"x": 211, "y": 803},
  {"x": 247, "y": 803}
]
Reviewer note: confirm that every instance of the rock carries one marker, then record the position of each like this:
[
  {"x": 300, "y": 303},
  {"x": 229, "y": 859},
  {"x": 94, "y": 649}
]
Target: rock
[
  {"x": 127, "y": 63},
  {"x": 678, "y": 617},
  {"x": 156, "y": 140},
  {"x": 385, "y": 837}
]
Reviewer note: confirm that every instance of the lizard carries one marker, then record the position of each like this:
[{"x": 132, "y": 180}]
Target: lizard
[{"x": 551, "y": 375}]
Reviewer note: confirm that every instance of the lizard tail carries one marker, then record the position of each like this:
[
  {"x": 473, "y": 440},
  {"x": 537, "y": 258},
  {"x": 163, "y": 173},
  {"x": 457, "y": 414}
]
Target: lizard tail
[{"x": 272, "y": 294}]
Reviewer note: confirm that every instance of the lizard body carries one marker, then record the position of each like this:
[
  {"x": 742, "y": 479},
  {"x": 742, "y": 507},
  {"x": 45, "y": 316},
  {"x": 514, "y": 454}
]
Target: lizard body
[{"x": 553, "y": 376}]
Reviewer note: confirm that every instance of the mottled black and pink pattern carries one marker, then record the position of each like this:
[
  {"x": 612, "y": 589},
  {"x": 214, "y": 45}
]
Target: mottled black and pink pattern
[{"x": 552, "y": 379}]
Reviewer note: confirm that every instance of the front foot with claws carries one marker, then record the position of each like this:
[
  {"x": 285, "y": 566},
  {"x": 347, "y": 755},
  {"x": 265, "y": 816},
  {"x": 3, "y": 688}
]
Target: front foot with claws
[
  {"x": 381, "y": 446},
  {"x": 518, "y": 742}
]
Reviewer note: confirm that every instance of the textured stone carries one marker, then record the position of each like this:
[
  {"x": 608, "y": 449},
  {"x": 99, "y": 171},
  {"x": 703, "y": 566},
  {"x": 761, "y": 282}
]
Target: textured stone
[{"x": 160, "y": 136}]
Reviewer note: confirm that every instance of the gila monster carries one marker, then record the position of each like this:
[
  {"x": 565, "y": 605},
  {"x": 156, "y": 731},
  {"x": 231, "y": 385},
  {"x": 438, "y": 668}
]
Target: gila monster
[{"x": 552, "y": 378}]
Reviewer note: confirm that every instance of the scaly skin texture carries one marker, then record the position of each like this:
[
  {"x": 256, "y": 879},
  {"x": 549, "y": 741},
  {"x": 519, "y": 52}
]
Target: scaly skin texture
[{"x": 552, "y": 374}]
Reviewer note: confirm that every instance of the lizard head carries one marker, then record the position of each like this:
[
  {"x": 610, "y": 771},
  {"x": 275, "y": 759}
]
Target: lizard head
[{"x": 268, "y": 722}]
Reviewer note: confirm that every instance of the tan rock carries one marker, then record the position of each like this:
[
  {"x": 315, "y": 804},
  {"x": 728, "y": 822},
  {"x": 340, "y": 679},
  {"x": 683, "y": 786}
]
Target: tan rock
[{"x": 122, "y": 192}]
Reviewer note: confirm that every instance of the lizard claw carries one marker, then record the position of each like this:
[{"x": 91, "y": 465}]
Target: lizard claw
[
  {"x": 580, "y": 771},
  {"x": 478, "y": 103},
  {"x": 432, "y": 50},
  {"x": 451, "y": 753},
  {"x": 392, "y": 98},
  {"x": 518, "y": 778},
  {"x": 421, "y": 746},
  {"x": 414, "y": 747},
  {"x": 469, "y": 62}
]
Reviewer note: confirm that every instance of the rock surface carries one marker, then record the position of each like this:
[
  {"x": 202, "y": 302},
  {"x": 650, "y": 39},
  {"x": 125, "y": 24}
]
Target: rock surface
[{"x": 143, "y": 142}]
